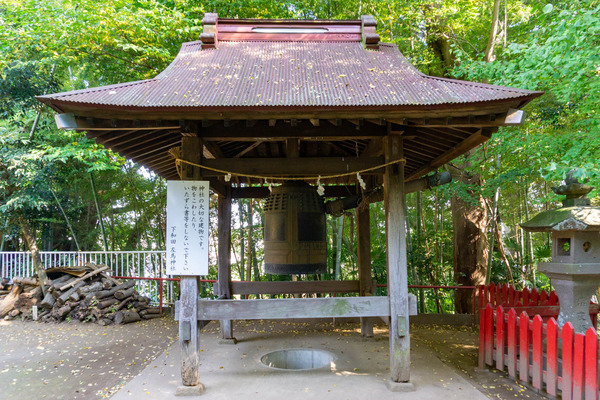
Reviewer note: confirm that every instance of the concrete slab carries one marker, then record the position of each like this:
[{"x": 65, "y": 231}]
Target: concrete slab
[{"x": 361, "y": 369}]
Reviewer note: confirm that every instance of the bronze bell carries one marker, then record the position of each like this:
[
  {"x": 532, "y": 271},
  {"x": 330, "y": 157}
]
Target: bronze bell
[{"x": 295, "y": 230}]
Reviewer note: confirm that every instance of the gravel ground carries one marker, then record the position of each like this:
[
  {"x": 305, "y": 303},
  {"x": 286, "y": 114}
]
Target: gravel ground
[
  {"x": 88, "y": 361},
  {"x": 76, "y": 360},
  {"x": 458, "y": 347}
]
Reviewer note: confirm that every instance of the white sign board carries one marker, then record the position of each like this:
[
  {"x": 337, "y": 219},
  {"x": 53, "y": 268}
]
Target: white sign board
[{"x": 187, "y": 227}]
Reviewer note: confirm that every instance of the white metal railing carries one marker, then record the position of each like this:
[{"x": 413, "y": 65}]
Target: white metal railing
[{"x": 138, "y": 264}]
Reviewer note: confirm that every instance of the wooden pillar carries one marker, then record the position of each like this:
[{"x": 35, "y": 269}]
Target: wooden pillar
[
  {"x": 363, "y": 228},
  {"x": 395, "y": 222},
  {"x": 224, "y": 261},
  {"x": 189, "y": 331}
]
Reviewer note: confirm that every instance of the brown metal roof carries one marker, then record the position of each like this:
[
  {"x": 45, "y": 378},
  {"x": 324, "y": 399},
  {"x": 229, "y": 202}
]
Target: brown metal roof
[
  {"x": 279, "y": 97},
  {"x": 288, "y": 74}
]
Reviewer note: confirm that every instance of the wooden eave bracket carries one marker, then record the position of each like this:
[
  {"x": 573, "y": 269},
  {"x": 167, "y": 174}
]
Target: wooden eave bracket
[
  {"x": 66, "y": 122},
  {"x": 514, "y": 117},
  {"x": 370, "y": 38}
]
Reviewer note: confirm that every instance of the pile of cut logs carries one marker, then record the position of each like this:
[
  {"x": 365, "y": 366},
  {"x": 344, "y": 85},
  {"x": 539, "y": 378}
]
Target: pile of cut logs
[{"x": 85, "y": 293}]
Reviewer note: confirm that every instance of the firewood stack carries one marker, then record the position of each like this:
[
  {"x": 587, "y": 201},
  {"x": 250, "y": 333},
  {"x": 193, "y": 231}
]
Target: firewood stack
[{"x": 86, "y": 294}]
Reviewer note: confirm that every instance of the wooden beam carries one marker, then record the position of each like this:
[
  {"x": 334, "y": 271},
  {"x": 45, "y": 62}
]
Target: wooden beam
[
  {"x": 146, "y": 154},
  {"x": 260, "y": 192},
  {"x": 224, "y": 258},
  {"x": 324, "y": 307},
  {"x": 302, "y": 113},
  {"x": 97, "y": 124},
  {"x": 283, "y": 166},
  {"x": 421, "y": 150},
  {"x": 139, "y": 137},
  {"x": 373, "y": 148},
  {"x": 358, "y": 123},
  {"x": 480, "y": 121},
  {"x": 163, "y": 163},
  {"x": 449, "y": 134},
  {"x": 365, "y": 278},
  {"x": 213, "y": 148},
  {"x": 188, "y": 323},
  {"x": 340, "y": 149},
  {"x": 397, "y": 264},
  {"x": 469, "y": 143},
  {"x": 380, "y": 121},
  {"x": 155, "y": 157},
  {"x": 315, "y": 122},
  {"x": 219, "y": 187},
  {"x": 432, "y": 136},
  {"x": 191, "y": 149},
  {"x": 435, "y": 144},
  {"x": 304, "y": 129},
  {"x": 297, "y": 287},
  {"x": 120, "y": 136},
  {"x": 274, "y": 149},
  {"x": 165, "y": 171},
  {"x": 147, "y": 144},
  {"x": 292, "y": 148},
  {"x": 248, "y": 148}
]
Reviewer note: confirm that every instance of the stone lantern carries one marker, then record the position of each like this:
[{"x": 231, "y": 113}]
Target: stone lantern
[{"x": 575, "y": 268}]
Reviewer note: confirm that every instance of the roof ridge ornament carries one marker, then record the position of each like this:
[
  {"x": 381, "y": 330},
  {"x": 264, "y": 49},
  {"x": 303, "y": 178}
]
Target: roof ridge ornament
[
  {"x": 370, "y": 38},
  {"x": 209, "y": 37}
]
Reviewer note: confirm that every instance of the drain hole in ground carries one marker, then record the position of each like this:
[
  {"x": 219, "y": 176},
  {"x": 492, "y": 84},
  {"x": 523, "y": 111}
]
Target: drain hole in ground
[{"x": 298, "y": 359}]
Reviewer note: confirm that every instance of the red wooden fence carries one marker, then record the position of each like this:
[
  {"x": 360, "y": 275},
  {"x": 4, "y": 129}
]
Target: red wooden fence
[
  {"x": 533, "y": 302},
  {"x": 553, "y": 359}
]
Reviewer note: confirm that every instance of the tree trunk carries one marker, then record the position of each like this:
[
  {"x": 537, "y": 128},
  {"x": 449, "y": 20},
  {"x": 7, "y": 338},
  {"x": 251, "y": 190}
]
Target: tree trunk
[
  {"x": 242, "y": 268},
  {"x": 488, "y": 273},
  {"x": 489, "y": 50},
  {"x": 35, "y": 253},
  {"x": 419, "y": 235},
  {"x": 501, "y": 251},
  {"x": 470, "y": 242},
  {"x": 528, "y": 242},
  {"x": 100, "y": 220},
  {"x": 251, "y": 251},
  {"x": 437, "y": 41},
  {"x": 338, "y": 247}
]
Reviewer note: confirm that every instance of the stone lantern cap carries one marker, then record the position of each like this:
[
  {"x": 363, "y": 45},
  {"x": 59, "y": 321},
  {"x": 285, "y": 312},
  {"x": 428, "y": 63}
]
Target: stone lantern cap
[
  {"x": 565, "y": 219},
  {"x": 576, "y": 214}
]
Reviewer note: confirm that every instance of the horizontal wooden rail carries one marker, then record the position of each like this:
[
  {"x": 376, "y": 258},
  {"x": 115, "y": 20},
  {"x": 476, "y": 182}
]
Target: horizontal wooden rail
[
  {"x": 323, "y": 307},
  {"x": 244, "y": 288}
]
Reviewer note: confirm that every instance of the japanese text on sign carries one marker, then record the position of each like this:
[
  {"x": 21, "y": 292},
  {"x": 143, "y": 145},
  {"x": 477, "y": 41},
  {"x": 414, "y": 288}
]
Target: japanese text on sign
[{"x": 187, "y": 227}]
